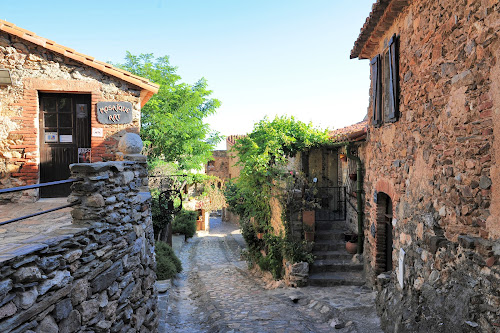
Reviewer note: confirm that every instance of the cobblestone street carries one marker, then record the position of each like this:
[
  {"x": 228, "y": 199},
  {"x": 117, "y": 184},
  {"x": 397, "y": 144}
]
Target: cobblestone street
[{"x": 217, "y": 293}]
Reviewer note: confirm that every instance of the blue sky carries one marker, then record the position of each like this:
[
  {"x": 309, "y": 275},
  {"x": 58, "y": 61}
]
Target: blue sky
[{"x": 259, "y": 57}]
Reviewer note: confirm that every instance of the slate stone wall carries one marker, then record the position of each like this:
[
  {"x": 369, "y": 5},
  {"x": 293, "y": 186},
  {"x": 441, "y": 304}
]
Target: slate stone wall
[
  {"x": 437, "y": 166},
  {"x": 96, "y": 275}
]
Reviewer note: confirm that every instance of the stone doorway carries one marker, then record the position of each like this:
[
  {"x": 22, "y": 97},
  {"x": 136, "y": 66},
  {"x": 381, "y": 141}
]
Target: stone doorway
[{"x": 384, "y": 237}]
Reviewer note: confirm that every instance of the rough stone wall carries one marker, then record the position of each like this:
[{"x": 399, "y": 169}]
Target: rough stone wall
[
  {"x": 96, "y": 275},
  {"x": 35, "y": 69},
  {"x": 345, "y": 168},
  {"x": 219, "y": 166},
  {"x": 436, "y": 163}
]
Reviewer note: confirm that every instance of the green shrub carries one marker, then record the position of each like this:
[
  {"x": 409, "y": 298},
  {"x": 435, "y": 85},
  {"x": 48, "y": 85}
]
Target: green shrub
[
  {"x": 185, "y": 223},
  {"x": 167, "y": 263},
  {"x": 274, "y": 246},
  {"x": 297, "y": 251}
]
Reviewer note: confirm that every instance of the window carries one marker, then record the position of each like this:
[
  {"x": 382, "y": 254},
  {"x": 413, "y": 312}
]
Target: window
[
  {"x": 58, "y": 122},
  {"x": 385, "y": 84}
]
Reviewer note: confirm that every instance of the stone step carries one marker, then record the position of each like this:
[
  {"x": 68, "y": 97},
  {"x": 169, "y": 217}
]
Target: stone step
[
  {"x": 329, "y": 279},
  {"x": 325, "y": 245},
  {"x": 330, "y": 225},
  {"x": 329, "y": 235},
  {"x": 335, "y": 265},
  {"x": 326, "y": 255}
]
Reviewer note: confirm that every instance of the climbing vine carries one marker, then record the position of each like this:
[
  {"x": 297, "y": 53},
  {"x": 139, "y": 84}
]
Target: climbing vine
[{"x": 263, "y": 157}]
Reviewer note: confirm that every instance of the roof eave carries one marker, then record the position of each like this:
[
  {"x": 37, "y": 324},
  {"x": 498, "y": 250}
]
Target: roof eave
[
  {"x": 382, "y": 16},
  {"x": 144, "y": 84}
]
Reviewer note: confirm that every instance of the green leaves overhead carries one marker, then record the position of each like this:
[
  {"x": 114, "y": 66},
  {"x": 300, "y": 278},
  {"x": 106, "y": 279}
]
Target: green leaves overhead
[
  {"x": 172, "y": 123},
  {"x": 263, "y": 155}
]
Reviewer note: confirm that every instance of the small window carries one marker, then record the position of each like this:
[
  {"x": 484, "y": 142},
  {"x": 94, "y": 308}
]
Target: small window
[
  {"x": 58, "y": 122},
  {"x": 385, "y": 84}
]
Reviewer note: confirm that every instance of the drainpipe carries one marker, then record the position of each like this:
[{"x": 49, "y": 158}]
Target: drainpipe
[{"x": 359, "y": 190}]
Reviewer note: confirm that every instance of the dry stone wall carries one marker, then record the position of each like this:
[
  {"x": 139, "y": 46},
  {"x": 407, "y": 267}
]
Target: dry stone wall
[
  {"x": 96, "y": 275},
  {"x": 437, "y": 165}
]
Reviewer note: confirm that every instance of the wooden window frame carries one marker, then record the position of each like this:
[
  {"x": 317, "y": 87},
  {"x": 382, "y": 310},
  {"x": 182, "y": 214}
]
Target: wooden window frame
[{"x": 379, "y": 114}]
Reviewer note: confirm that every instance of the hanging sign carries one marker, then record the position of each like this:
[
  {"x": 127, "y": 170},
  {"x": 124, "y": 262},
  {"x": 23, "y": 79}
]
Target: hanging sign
[{"x": 114, "y": 112}]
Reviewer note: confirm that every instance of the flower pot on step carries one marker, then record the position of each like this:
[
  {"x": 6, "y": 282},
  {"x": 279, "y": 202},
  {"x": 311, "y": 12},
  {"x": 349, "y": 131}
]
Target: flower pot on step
[{"x": 351, "y": 247}]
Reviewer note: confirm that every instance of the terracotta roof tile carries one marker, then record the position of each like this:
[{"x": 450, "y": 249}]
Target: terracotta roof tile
[
  {"x": 152, "y": 88},
  {"x": 354, "y": 132},
  {"x": 383, "y": 14}
]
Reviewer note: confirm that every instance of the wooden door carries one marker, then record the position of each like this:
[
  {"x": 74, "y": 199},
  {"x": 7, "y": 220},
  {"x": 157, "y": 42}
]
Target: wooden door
[{"x": 64, "y": 127}]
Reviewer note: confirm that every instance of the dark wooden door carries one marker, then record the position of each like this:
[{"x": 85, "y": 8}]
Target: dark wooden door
[{"x": 64, "y": 127}]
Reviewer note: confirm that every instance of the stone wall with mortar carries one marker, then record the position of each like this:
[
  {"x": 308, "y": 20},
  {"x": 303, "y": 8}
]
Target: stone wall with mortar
[
  {"x": 35, "y": 69},
  {"x": 96, "y": 275},
  {"x": 437, "y": 165}
]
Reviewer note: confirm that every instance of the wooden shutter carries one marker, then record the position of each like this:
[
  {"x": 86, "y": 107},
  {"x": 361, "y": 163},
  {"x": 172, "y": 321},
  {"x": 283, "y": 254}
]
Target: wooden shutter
[
  {"x": 394, "y": 79},
  {"x": 376, "y": 91}
]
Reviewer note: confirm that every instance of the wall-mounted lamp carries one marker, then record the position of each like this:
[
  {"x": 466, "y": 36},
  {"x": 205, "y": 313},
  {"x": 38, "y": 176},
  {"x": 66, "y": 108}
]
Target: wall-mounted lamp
[{"x": 5, "y": 78}]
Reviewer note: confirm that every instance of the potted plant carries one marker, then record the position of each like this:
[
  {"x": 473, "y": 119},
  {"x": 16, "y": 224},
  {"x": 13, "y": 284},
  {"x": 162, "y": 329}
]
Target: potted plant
[
  {"x": 310, "y": 203},
  {"x": 308, "y": 233},
  {"x": 352, "y": 243}
]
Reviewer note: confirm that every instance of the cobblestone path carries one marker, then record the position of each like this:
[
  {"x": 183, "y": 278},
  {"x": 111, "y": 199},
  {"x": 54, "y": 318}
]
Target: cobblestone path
[{"x": 216, "y": 293}]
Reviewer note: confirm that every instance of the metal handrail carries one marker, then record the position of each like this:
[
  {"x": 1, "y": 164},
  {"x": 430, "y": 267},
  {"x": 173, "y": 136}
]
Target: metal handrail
[
  {"x": 29, "y": 187},
  {"x": 38, "y": 213}
]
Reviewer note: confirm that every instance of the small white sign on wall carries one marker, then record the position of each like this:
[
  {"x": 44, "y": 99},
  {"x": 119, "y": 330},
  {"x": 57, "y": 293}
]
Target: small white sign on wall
[
  {"x": 97, "y": 132},
  {"x": 401, "y": 267}
]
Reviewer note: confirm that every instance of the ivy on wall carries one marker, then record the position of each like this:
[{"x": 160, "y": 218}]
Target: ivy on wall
[{"x": 263, "y": 157}]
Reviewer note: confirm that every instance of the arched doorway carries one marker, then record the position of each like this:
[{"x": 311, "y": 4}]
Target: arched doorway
[{"x": 384, "y": 240}]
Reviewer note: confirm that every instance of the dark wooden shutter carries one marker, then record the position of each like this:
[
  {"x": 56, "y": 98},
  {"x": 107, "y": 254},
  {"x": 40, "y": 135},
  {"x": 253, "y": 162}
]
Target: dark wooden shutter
[
  {"x": 376, "y": 91},
  {"x": 394, "y": 78}
]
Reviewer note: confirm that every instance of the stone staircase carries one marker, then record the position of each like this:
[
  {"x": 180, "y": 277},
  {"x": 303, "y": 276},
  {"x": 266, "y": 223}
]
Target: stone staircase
[{"x": 333, "y": 265}]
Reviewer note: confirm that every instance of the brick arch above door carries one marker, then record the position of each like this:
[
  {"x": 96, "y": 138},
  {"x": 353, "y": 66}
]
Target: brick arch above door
[{"x": 384, "y": 185}]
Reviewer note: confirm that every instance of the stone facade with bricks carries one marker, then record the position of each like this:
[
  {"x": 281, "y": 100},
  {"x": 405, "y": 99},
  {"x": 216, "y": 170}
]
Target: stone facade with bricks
[
  {"x": 431, "y": 176},
  {"x": 39, "y": 65}
]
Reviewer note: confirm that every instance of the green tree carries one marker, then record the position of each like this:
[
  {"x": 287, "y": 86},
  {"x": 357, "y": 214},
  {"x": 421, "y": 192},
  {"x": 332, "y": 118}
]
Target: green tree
[{"x": 172, "y": 122}]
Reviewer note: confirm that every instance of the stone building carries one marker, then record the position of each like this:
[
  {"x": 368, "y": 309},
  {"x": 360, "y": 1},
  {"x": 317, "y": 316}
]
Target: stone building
[
  {"x": 432, "y": 188},
  {"x": 58, "y": 107},
  {"x": 219, "y": 165}
]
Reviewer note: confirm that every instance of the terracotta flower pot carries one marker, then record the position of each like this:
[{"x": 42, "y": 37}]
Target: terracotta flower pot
[
  {"x": 352, "y": 248},
  {"x": 260, "y": 235},
  {"x": 308, "y": 217}
]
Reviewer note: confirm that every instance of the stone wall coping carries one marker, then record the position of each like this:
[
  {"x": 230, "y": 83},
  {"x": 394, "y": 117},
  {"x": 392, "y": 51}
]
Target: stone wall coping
[
  {"x": 38, "y": 242},
  {"x": 144, "y": 196},
  {"x": 99, "y": 166}
]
